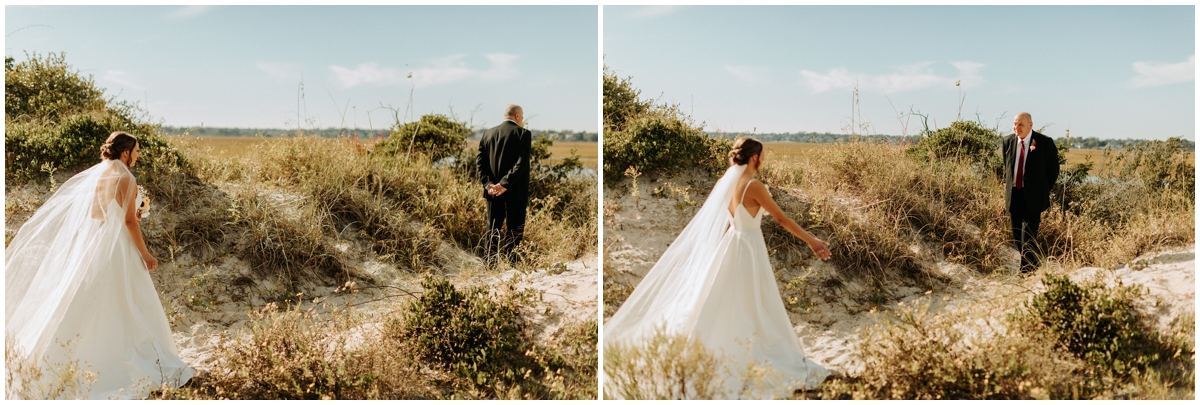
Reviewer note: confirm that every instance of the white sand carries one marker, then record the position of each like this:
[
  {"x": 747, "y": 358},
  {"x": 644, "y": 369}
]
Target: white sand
[{"x": 829, "y": 326}]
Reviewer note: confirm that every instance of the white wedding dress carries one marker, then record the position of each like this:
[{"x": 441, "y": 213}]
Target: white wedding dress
[
  {"x": 715, "y": 283},
  {"x": 73, "y": 274}
]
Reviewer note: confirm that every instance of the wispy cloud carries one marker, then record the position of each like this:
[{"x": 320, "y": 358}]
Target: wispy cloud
[
  {"x": 1153, "y": 74},
  {"x": 749, "y": 74},
  {"x": 449, "y": 69},
  {"x": 122, "y": 78},
  {"x": 279, "y": 71},
  {"x": 189, "y": 11},
  {"x": 653, "y": 11},
  {"x": 910, "y": 77},
  {"x": 366, "y": 73}
]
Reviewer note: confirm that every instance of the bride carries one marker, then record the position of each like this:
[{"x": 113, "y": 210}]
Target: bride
[
  {"x": 78, "y": 288},
  {"x": 715, "y": 283}
]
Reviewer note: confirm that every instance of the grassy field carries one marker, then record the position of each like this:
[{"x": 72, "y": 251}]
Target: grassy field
[
  {"x": 791, "y": 150},
  {"x": 587, "y": 151},
  {"x": 228, "y": 147}
]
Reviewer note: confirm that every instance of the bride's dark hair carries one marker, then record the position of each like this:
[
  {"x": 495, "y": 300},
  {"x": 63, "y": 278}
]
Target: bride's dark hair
[
  {"x": 744, "y": 148},
  {"x": 117, "y": 144}
]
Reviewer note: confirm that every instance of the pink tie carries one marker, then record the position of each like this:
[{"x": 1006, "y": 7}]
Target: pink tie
[{"x": 1021, "y": 167}]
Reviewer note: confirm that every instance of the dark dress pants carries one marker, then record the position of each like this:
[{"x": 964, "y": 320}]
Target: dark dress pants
[
  {"x": 1025, "y": 227},
  {"x": 505, "y": 209}
]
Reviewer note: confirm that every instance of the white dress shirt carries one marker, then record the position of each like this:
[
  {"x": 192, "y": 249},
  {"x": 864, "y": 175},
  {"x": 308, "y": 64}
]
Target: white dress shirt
[{"x": 1017, "y": 159}]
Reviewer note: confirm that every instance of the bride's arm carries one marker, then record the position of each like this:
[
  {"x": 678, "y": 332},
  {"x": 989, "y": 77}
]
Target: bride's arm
[
  {"x": 128, "y": 190},
  {"x": 758, "y": 193}
]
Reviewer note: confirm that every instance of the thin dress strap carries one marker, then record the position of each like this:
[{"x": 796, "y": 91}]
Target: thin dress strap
[{"x": 746, "y": 189}]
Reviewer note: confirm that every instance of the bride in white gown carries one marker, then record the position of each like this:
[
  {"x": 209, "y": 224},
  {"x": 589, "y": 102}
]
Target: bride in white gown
[
  {"x": 77, "y": 276},
  {"x": 715, "y": 284}
]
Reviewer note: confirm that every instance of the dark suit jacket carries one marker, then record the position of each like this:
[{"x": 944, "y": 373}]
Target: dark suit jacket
[
  {"x": 1041, "y": 170},
  {"x": 504, "y": 159}
]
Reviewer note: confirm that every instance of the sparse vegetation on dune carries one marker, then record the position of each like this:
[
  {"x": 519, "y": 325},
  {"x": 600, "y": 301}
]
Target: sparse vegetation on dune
[
  {"x": 304, "y": 214},
  {"x": 1071, "y": 341},
  {"x": 449, "y": 343},
  {"x": 931, "y": 217}
]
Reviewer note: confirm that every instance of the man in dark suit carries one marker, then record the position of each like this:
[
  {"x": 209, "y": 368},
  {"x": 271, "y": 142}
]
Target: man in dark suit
[
  {"x": 503, "y": 164},
  {"x": 1030, "y": 171}
]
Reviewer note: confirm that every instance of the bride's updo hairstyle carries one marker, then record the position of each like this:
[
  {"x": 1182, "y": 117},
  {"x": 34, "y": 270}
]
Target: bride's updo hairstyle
[
  {"x": 743, "y": 149},
  {"x": 117, "y": 144}
]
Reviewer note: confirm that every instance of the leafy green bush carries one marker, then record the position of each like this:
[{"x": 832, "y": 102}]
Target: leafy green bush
[
  {"x": 46, "y": 88},
  {"x": 653, "y": 138},
  {"x": 476, "y": 334},
  {"x": 56, "y": 119},
  {"x": 1101, "y": 325},
  {"x": 621, "y": 102},
  {"x": 962, "y": 140},
  {"x": 436, "y": 135}
]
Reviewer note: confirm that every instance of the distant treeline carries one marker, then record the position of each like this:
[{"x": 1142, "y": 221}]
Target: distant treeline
[
  {"x": 825, "y": 137},
  {"x": 554, "y": 135},
  {"x": 270, "y": 132}
]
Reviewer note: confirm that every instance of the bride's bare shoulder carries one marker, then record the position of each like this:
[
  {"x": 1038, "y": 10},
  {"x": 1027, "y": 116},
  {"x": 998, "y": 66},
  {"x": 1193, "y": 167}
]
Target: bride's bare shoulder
[{"x": 757, "y": 188}]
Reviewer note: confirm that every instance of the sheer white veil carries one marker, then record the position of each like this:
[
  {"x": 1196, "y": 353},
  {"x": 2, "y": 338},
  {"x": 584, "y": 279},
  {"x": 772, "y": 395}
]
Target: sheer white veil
[
  {"x": 670, "y": 295},
  {"x": 59, "y": 248}
]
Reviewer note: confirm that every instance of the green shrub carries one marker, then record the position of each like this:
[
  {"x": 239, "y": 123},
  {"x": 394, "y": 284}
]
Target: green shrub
[
  {"x": 46, "y": 88},
  {"x": 962, "y": 140},
  {"x": 436, "y": 135},
  {"x": 1098, "y": 324},
  {"x": 621, "y": 102},
  {"x": 476, "y": 334},
  {"x": 653, "y": 138},
  {"x": 56, "y": 119},
  {"x": 570, "y": 362}
]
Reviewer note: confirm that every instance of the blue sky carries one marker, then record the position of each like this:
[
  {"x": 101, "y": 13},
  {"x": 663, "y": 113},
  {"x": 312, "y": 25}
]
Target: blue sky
[
  {"x": 242, "y": 66},
  {"x": 1107, "y": 72}
]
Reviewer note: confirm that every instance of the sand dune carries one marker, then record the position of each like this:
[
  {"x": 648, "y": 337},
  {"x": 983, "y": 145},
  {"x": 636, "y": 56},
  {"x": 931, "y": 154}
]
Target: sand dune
[{"x": 831, "y": 311}]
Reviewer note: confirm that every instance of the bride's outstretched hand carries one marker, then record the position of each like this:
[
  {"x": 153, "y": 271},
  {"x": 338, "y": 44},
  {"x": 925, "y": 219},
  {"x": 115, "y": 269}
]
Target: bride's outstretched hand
[
  {"x": 820, "y": 248},
  {"x": 151, "y": 262}
]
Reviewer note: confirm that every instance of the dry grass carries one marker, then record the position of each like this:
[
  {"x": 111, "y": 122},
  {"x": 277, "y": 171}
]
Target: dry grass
[
  {"x": 319, "y": 351},
  {"x": 28, "y": 379},
  {"x": 885, "y": 214},
  {"x": 663, "y": 367},
  {"x": 234, "y": 148},
  {"x": 223, "y": 148},
  {"x": 788, "y": 151},
  {"x": 290, "y": 212},
  {"x": 1024, "y": 350},
  {"x": 1096, "y": 156}
]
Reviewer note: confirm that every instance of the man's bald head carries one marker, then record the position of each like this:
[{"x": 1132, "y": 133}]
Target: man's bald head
[
  {"x": 1022, "y": 124},
  {"x": 515, "y": 113}
]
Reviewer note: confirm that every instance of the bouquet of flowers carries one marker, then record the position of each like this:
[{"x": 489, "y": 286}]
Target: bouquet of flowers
[{"x": 143, "y": 209}]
